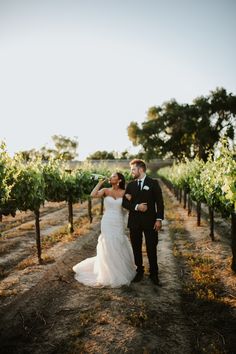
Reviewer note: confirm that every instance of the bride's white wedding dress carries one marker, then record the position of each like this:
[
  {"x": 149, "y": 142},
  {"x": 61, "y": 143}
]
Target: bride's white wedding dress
[{"x": 114, "y": 263}]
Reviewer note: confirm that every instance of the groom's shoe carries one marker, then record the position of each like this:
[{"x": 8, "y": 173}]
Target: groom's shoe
[
  {"x": 138, "y": 277},
  {"x": 154, "y": 278}
]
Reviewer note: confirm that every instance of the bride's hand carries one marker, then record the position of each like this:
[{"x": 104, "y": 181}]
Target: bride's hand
[
  {"x": 128, "y": 196},
  {"x": 102, "y": 180}
]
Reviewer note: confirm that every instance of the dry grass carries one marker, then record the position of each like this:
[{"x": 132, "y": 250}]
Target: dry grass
[
  {"x": 8, "y": 292},
  {"x": 9, "y": 288},
  {"x": 5, "y": 227},
  {"x": 2, "y": 272},
  {"x": 27, "y": 226},
  {"x": 48, "y": 222},
  {"x": 6, "y": 247},
  {"x": 19, "y": 233},
  {"x": 28, "y": 262},
  {"x": 63, "y": 235},
  {"x": 33, "y": 261}
]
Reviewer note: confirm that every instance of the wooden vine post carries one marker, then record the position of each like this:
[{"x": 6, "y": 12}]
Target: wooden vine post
[
  {"x": 189, "y": 204},
  {"x": 211, "y": 215},
  {"x": 37, "y": 232},
  {"x": 180, "y": 195},
  {"x": 90, "y": 210},
  {"x": 198, "y": 213},
  {"x": 70, "y": 215},
  {"x": 70, "y": 209},
  {"x": 185, "y": 198}
]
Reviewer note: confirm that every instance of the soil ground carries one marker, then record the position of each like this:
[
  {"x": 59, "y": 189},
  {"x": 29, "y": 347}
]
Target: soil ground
[{"x": 44, "y": 310}]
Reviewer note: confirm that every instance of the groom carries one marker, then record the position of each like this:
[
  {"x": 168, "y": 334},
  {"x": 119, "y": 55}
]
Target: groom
[{"x": 146, "y": 211}]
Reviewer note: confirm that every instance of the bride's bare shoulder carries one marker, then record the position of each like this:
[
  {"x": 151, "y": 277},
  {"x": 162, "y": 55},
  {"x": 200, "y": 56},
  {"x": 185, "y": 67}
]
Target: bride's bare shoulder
[{"x": 106, "y": 192}]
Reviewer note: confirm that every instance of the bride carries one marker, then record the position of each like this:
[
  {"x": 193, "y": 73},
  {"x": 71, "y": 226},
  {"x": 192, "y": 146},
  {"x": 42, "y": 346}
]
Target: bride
[{"x": 113, "y": 264}]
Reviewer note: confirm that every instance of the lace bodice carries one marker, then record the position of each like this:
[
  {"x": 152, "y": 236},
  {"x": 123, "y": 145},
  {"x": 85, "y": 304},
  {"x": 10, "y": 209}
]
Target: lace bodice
[{"x": 112, "y": 205}]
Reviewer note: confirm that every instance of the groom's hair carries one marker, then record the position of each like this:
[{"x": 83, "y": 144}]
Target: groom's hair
[{"x": 139, "y": 163}]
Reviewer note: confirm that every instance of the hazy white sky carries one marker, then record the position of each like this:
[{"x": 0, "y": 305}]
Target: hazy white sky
[{"x": 87, "y": 68}]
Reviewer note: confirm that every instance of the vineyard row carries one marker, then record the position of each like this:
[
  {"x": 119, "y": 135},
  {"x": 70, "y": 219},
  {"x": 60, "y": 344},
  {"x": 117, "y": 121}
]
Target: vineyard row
[{"x": 212, "y": 183}]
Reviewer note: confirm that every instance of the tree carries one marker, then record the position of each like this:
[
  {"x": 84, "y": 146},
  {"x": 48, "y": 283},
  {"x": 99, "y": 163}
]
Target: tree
[
  {"x": 163, "y": 127},
  {"x": 65, "y": 149},
  {"x": 215, "y": 116},
  {"x": 223, "y": 112},
  {"x": 29, "y": 155},
  {"x": 177, "y": 130},
  {"x": 124, "y": 155},
  {"x": 101, "y": 155}
]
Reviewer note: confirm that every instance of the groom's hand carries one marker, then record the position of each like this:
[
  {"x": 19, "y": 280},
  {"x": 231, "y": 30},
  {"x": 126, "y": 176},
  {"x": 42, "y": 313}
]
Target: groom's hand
[
  {"x": 142, "y": 207},
  {"x": 157, "y": 225},
  {"x": 128, "y": 196}
]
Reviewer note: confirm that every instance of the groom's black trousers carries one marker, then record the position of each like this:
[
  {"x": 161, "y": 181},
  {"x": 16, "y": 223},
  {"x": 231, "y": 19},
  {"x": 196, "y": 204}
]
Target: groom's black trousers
[{"x": 151, "y": 239}]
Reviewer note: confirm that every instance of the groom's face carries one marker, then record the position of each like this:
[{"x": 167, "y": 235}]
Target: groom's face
[{"x": 135, "y": 171}]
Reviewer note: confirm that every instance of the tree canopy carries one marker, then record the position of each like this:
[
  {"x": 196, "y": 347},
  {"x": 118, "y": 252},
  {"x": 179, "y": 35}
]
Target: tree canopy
[
  {"x": 64, "y": 149},
  {"x": 177, "y": 130},
  {"x": 101, "y": 155}
]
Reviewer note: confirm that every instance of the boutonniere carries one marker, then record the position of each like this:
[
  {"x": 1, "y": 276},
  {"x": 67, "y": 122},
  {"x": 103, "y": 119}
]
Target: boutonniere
[{"x": 146, "y": 188}]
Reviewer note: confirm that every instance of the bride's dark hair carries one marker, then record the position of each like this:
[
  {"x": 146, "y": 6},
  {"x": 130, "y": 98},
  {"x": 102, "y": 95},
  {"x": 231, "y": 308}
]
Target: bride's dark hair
[{"x": 122, "y": 180}]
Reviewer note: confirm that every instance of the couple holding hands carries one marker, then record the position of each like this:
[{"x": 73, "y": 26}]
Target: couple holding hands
[{"x": 119, "y": 262}]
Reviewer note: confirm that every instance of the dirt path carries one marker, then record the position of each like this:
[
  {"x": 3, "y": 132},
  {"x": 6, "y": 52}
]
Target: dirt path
[{"x": 59, "y": 315}]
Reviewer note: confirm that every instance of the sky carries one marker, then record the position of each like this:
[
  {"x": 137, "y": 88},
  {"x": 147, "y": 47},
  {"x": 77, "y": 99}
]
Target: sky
[{"x": 87, "y": 68}]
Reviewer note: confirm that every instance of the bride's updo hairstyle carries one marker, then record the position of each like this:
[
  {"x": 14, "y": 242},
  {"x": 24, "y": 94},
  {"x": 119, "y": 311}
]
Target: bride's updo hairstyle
[{"x": 122, "y": 180}]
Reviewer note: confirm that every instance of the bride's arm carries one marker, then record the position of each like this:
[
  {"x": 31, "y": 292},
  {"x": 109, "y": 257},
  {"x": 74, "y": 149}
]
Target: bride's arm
[
  {"x": 127, "y": 199},
  {"x": 97, "y": 192}
]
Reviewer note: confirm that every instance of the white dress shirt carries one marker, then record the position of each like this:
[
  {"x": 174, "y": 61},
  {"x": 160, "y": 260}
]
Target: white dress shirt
[{"x": 142, "y": 181}]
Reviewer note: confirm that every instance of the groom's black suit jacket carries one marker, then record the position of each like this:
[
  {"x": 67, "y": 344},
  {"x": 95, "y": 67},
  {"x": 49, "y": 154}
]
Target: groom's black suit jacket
[{"x": 152, "y": 195}]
